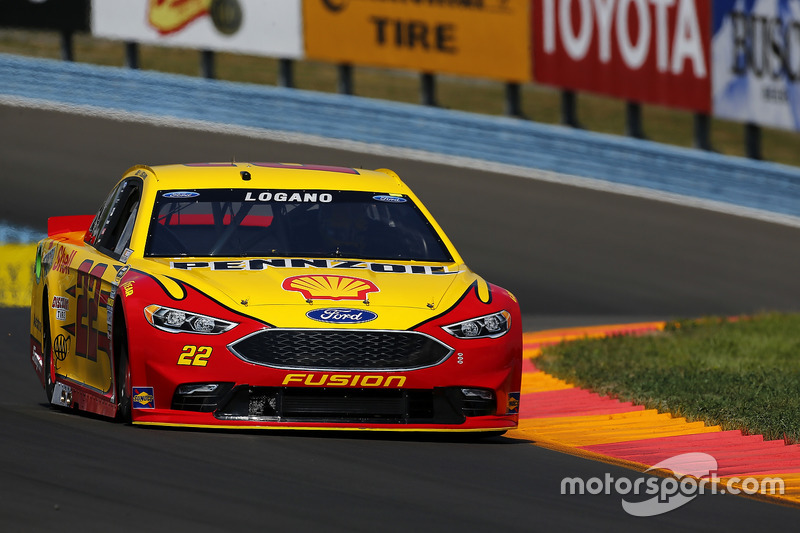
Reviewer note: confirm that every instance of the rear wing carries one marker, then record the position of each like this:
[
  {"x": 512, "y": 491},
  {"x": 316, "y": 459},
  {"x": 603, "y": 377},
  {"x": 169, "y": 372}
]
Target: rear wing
[{"x": 68, "y": 224}]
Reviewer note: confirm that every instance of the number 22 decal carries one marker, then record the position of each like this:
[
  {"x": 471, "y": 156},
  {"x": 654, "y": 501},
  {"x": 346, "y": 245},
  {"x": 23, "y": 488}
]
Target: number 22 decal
[
  {"x": 89, "y": 338},
  {"x": 194, "y": 355}
]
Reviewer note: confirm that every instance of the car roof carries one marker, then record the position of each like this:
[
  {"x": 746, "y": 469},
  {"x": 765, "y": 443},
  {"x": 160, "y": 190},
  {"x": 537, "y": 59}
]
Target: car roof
[{"x": 267, "y": 176}]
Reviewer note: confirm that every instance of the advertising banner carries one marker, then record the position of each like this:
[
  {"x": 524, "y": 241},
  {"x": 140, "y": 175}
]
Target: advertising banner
[
  {"x": 258, "y": 27},
  {"x": 480, "y": 38},
  {"x": 70, "y": 15},
  {"x": 756, "y": 55},
  {"x": 647, "y": 51}
]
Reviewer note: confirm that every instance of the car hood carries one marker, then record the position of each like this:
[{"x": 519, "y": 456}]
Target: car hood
[{"x": 401, "y": 293}]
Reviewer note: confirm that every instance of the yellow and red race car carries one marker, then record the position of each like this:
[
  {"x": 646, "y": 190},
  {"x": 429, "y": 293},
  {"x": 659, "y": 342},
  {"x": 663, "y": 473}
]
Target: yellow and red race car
[{"x": 271, "y": 295}]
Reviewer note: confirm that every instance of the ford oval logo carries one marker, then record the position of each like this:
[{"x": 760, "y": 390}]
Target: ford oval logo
[
  {"x": 340, "y": 315},
  {"x": 389, "y": 199},
  {"x": 181, "y": 194}
]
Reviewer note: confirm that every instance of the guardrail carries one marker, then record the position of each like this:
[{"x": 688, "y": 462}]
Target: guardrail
[{"x": 743, "y": 182}]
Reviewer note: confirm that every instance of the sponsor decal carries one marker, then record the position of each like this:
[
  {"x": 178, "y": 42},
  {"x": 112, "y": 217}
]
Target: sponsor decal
[
  {"x": 120, "y": 273},
  {"x": 37, "y": 324},
  {"x": 126, "y": 254},
  {"x": 342, "y": 315},
  {"x": 61, "y": 306},
  {"x": 284, "y": 196},
  {"x": 328, "y": 287},
  {"x": 513, "y": 403},
  {"x": 143, "y": 398},
  {"x": 389, "y": 198},
  {"x": 47, "y": 260},
  {"x": 63, "y": 260},
  {"x": 127, "y": 288},
  {"x": 36, "y": 358},
  {"x": 110, "y": 314},
  {"x": 181, "y": 194},
  {"x": 263, "y": 264},
  {"x": 61, "y": 347},
  {"x": 344, "y": 380}
]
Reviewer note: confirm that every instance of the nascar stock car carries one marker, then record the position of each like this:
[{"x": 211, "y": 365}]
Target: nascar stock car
[{"x": 271, "y": 295}]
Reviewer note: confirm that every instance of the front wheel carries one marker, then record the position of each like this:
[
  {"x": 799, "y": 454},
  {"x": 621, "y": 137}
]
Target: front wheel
[{"x": 124, "y": 393}]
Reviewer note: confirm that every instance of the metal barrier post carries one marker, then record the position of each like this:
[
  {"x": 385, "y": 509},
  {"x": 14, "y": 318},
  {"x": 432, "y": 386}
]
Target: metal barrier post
[
  {"x": 207, "y": 64},
  {"x": 633, "y": 120},
  {"x": 131, "y": 55},
  {"x": 285, "y": 74},
  {"x": 569, "y": 113},
  {"x": 66, "y": 46},
  {"x": 427, "y": 91},
  {"x": 752, "y": 140},
  {"x": 513, "y": 107},
  {"x": 702, "y": 132},
  {"x": 345, "y": 85}
]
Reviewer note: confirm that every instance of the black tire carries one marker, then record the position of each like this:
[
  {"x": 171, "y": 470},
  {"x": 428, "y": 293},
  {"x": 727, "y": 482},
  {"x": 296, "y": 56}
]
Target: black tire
[
  {"x": 48, "y": 365},
  {"x": 123, "y": 380}
]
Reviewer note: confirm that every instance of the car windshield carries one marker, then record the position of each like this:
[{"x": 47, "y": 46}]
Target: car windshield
[{"x": 291, "y": 223}]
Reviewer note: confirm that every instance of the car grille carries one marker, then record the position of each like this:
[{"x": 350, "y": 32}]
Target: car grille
[
  {"x": 341, "y": 349},
  {"x": 445, "y": 405}
]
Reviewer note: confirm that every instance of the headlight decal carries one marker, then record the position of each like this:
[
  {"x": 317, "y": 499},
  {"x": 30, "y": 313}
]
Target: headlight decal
[
  {"x": 482, "y": 327},
  {"x": 179, "y": 321}
]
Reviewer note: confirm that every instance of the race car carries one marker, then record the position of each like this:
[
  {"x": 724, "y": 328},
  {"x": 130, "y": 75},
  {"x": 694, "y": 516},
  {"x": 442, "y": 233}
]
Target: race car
[{"x": 271, "y": 295}]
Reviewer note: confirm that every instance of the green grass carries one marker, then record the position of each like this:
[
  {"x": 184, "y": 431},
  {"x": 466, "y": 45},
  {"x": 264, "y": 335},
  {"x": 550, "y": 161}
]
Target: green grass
[
  {"x": 539, "y": 103},
  {"x": 741, "y": 374}
]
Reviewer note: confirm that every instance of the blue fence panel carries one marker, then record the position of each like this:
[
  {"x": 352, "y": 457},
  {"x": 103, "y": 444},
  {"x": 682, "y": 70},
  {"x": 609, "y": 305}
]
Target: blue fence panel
[{"x": 754, "y": 184}]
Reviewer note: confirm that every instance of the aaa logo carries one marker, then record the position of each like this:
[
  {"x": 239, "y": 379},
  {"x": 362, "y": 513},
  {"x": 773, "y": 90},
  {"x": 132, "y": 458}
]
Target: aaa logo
[{"x": 330, "y": 287}]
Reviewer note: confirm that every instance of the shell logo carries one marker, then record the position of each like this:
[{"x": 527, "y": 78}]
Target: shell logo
[
  {"x": 323, "y": 287},
  {"x": 171, "y": 16}
]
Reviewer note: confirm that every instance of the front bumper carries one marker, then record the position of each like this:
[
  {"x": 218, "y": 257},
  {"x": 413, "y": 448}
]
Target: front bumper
[
  {"x": 192, "y": 380},
  {"x": 437, "y": 409}
]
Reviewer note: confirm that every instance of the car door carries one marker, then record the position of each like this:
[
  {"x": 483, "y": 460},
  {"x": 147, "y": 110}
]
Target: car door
[{"x": 109, "y": 236}]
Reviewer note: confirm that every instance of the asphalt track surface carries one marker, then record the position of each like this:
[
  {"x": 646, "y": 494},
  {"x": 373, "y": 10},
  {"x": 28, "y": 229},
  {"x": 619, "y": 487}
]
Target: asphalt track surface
[{"x": 572, "y": 256}]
